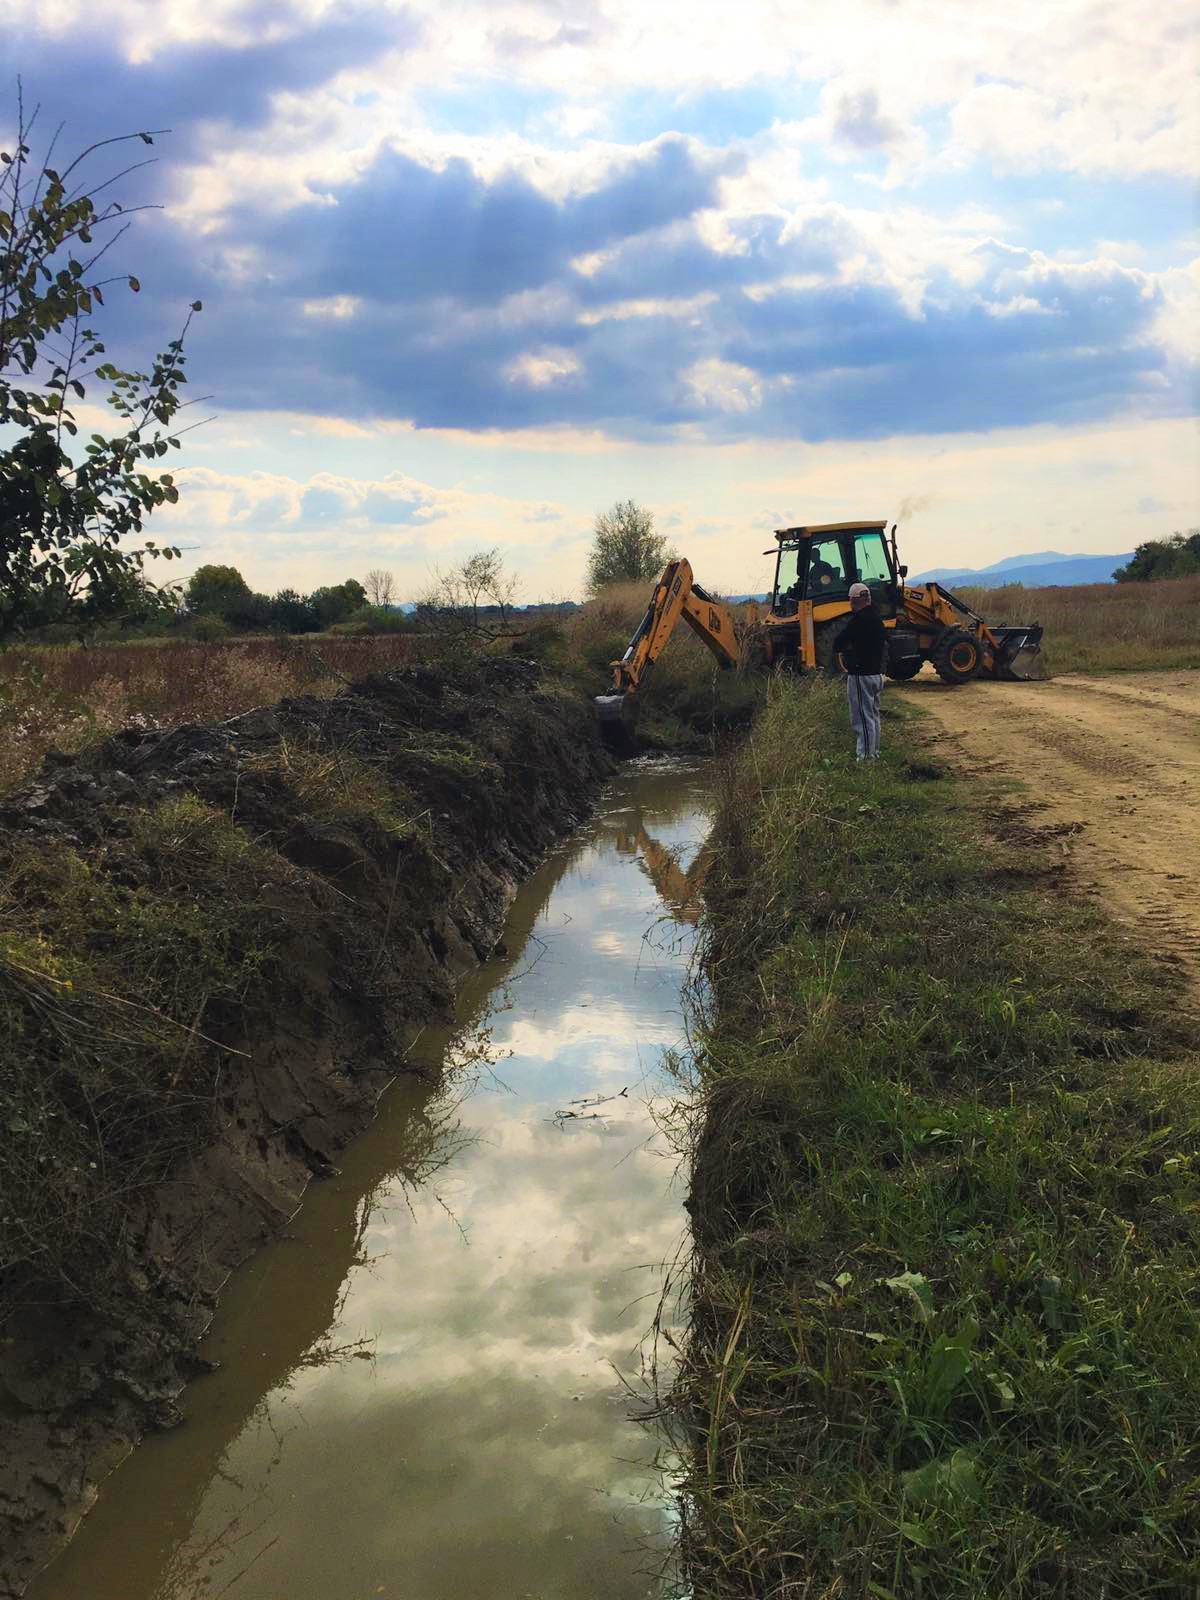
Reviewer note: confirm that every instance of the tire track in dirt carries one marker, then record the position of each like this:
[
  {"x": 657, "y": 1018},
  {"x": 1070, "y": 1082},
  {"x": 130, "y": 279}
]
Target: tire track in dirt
[{"x": 1112, "y": 767}]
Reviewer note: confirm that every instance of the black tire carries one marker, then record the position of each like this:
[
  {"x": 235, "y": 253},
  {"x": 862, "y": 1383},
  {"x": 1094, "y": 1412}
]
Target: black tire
[
  {"x": 823, "y": 636},
  {"x": 905, "y": 668},
  {"x": 957, "y": 656}
]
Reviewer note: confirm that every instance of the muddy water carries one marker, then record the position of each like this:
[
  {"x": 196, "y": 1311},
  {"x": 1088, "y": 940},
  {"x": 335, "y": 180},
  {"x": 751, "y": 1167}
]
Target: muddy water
[{"x": 423, "y": 1390}]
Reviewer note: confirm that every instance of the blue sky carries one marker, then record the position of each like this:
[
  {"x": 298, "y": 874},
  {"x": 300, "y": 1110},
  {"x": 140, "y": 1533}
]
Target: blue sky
[{"x": 472, "y": 271}]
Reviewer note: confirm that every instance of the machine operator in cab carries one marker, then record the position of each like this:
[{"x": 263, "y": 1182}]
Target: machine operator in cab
[{"x": 860, "y": 646}]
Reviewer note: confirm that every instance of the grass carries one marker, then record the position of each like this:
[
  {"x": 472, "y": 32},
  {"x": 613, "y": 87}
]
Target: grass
[
  {"x": 945, "y": 1196},
  {"x": 1104, "y": 627}
]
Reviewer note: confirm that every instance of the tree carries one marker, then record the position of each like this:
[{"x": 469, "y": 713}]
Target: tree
[
  {"x": 64, "y": 511},
  {"x": 1177, "y": 556},
  {"x": 381, "y": 587},
  {"x": 217, "y": 591},
  {"x": 334, "y": 604},
  {"x": 293, "y": 612},
  {"x": 625, "y": 546},
  {"x": 471, "y": 603}
]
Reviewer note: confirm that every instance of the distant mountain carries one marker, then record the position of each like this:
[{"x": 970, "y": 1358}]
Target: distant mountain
[{"x": 1044, "y": 569}]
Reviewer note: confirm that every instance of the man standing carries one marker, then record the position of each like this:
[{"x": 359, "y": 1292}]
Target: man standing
[{"x": 861, "y": 645}]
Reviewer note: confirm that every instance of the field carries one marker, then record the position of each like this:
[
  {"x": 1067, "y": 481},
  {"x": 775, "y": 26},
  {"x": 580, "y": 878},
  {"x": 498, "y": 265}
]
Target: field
[
  {"x": 65, "y": 697},
  {"x": 1104, "y": 627},
  {"x": 945, "y": 1339}
]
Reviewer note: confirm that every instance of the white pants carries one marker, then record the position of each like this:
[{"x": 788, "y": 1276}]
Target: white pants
[{"x": 862, "y": 695}]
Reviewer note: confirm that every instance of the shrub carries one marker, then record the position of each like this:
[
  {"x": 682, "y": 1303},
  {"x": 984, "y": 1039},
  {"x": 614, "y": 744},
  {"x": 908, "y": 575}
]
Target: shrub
[{"x": 208, "y": 629}]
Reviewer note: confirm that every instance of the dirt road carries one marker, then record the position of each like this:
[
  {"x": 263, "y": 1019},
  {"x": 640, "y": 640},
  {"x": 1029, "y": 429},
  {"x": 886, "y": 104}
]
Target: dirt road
[{"x": 1113, "y": 766}]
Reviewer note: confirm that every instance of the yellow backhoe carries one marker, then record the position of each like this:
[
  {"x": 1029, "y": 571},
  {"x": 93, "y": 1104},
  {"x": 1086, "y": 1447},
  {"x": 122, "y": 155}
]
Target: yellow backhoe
[{"x": 810, "y": 600}]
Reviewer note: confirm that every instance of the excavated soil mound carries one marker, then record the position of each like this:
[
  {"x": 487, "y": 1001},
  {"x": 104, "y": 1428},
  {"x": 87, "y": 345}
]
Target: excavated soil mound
[{"x": 371, "y": 845}]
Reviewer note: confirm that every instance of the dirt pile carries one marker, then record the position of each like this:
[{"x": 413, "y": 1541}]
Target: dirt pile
[{"x": 215, "y": 943}]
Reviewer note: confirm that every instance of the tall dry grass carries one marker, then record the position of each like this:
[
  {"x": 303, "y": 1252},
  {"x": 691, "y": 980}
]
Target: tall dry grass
[
  {"x": 64, "y": 696},
  {"x": 1104, "y": 627}
]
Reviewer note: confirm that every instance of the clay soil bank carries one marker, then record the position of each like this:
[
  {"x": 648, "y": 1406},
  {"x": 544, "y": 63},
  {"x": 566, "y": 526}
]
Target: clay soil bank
[
  {"x": 1111, "y": 766},
  {"x": 352, "y": 858}
]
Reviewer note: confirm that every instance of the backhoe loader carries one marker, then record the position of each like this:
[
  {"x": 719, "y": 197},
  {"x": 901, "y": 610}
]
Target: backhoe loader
[{"x": 810, "y": 600}]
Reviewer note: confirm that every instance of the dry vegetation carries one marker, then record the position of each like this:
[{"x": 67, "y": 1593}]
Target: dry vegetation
[
  {"x": 1104, "y": 627},
  {"x": 65, "y": 696}
]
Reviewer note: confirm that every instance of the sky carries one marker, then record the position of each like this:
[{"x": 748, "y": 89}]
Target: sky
[{"x": 471, "y": 271}]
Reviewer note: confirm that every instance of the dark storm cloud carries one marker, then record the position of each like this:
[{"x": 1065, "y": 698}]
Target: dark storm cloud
[
  {"x": 407, "y": 232},
  {"x": 435, "y": 341},
  {"x": 474, "y": 310},
  {"x": 829, "y": 363},
  {"x": 682, "y": 262},
  {"x": 98, "y": 93}
]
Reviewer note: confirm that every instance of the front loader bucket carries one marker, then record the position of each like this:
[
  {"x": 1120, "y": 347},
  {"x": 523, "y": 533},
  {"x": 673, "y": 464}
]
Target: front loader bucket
[{"x": 1018, "y": 653}]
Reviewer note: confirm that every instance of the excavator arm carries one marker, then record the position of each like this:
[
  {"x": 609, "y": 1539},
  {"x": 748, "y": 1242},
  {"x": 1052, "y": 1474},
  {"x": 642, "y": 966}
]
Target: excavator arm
[{"x": 676, "y": 596}]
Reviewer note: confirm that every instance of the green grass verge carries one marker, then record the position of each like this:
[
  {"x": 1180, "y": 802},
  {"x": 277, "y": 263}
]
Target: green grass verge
[{"x": 946, "y": 1187}]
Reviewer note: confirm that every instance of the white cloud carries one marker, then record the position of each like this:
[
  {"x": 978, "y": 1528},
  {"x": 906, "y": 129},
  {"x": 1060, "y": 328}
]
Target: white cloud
[
  {"x": 724, "y": 386},
  {"x": 544, "y": 368}
]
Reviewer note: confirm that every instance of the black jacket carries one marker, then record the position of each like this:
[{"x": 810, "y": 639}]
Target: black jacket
[{"x": 862, "y": 643}]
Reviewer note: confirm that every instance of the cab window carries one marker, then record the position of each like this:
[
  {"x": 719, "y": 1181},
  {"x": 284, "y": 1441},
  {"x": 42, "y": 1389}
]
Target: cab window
[
  {"x": 826, "y": 573},
  {"x": 870, "y": 557},
  {"x": 786, "y": 592}
]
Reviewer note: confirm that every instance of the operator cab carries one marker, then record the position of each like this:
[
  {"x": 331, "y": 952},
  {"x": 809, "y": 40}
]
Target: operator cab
[{"x": 820, "y": 563}]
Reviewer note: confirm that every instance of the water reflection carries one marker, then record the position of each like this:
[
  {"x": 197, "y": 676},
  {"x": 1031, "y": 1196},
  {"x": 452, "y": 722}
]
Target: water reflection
[{"x": 497, "y": 1262}]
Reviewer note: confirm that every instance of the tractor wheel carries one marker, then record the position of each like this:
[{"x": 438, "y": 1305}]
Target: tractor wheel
[
  {"x": 957, "y": 656},
  {"x": 904, "y": 668},
  {"x": 823, "y": 637}
]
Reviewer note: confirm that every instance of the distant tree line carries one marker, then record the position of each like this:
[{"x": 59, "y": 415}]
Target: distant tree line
[
  {"x": 222, "y": 593},
  {"x": 1176, "y": 556}
]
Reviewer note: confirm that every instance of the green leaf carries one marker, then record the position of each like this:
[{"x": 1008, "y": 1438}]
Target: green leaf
[
  {"x": 1005, "y": 1392},
  {"x": 135, "y": 285},
  {"x": 1053, "y": 1301},
  {"x": 953, "y": 1476},
  {"x": 918, "y": 1534},
  {"x": 949, "y": 1363},
  {"x": 916, "y": 1286}
]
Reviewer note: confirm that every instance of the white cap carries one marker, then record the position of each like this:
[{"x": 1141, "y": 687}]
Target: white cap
[{"x": 857, "y": 589}]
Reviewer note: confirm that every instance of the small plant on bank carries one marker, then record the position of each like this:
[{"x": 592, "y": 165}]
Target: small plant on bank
[{"x": 65, "y": 507}]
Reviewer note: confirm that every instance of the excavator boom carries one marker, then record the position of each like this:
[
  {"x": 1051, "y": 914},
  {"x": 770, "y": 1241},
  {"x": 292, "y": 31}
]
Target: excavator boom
[{"x": 677, "y": 596}]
